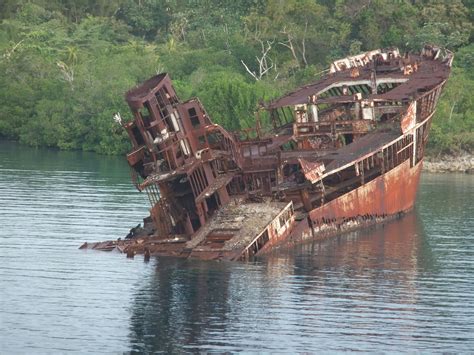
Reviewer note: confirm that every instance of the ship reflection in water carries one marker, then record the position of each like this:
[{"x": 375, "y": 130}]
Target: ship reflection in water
[
  {"x": 362, "y": 291},
  {"x": 405, "y": 286}
]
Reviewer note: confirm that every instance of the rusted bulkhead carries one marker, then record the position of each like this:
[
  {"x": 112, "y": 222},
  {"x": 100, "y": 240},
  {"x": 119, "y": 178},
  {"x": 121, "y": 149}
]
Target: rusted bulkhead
[{"x": 338, "y": 154}]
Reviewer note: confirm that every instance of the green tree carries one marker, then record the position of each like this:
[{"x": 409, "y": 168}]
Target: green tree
[
  {"x": 64, "y": 65},
  {"x": 230, "y": 100}
]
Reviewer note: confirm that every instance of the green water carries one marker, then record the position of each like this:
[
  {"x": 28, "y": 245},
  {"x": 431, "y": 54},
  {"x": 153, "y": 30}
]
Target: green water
[{"x": 406, "y": 286}]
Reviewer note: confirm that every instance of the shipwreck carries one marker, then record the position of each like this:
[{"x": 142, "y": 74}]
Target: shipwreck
[{"x": 342, "y": 153}]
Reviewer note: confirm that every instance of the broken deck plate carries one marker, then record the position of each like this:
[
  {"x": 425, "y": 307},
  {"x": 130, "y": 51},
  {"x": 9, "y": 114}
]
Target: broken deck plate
[{"x": 338, "y": 154}]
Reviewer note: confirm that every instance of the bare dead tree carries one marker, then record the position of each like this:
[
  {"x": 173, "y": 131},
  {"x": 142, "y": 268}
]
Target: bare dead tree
[
  {"x": 289, "y": 44},
  {"x": 292, "y": 44},
  {"x": 303, "y": 45},
  {"x": 265, "y": 64}
]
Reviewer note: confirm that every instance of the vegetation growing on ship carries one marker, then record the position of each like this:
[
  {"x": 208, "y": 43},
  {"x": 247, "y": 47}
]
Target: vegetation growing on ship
[{"x": 64, "y": 64}]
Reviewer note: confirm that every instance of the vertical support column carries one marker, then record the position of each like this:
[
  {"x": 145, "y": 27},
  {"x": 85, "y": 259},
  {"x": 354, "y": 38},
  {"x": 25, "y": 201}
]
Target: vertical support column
[
  {"x": 153, "y": 105},
  {"x": 373, "y": 82},
  {"x": 304, "y": 195},
  {"x": 279, "y": 170},
  {"x": 383, "y": 161},
  {"x": 188, "y": 227},
  {"x": 323, "y": 191},
  {"x": 223, "y": 195},
  {"x": 201, "y": 211}
]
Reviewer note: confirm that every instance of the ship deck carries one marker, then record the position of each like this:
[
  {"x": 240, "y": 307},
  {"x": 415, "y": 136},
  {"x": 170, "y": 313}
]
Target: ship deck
[
  {"x": 345, "y": 149},
  {"x": 233, "y": 228},
  {"x": 227, "y": 235},
  {"x": 362, "y": 147},
  {"x": 429, "y": 74}
]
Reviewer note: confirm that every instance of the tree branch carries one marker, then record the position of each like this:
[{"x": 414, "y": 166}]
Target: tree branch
[{"x": 248, "y": 70}]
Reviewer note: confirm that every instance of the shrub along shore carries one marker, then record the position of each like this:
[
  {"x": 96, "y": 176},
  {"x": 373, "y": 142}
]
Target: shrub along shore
[{"x": 65, "y": 64}]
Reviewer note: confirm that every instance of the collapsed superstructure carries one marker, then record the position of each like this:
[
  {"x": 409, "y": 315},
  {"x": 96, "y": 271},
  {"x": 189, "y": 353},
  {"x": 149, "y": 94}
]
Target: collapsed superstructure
[{"x": 343, "y": 152}]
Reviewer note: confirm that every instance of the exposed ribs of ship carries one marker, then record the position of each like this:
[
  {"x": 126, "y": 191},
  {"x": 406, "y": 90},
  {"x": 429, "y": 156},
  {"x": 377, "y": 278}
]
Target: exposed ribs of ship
[{"x": 366, "y": 118}]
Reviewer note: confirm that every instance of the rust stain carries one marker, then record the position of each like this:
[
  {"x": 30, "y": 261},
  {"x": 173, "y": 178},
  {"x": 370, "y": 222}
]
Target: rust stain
[
  {"x": 408, "y": 121},
  {"x": 344, "y": 152}
]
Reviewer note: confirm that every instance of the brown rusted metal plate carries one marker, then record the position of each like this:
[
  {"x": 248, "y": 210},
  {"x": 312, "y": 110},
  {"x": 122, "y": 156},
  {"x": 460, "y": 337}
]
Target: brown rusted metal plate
[
  {"x": 312, "y": 170},
  {"x": 230, "y": 195},
  {"x": 388, "y": 194},
  {"x": 408, "y": 121}
]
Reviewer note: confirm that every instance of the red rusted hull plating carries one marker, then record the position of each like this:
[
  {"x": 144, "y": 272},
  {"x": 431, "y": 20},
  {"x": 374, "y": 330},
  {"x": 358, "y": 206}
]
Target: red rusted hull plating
[
  {"x": 386, "y": 197},
  {"x": 388, "y": 194},
  {"x": 342, "y": 153}
]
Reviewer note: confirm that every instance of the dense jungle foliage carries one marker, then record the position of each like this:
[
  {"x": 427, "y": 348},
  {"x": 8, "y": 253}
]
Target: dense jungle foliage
[{"x": 65, "y": 64}]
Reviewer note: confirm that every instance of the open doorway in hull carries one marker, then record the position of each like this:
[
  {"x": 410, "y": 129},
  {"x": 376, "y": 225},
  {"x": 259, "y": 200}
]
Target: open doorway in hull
[{"x": 212, "y": 203}]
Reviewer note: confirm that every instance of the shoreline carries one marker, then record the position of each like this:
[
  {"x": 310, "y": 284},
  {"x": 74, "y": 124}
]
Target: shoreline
[
  {"x": 461, "y": 163},
  {"x": 444, "y": 163}
]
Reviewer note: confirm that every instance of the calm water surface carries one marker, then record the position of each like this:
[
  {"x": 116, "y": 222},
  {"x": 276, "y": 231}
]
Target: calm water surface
[{"x": 406, "y": 286}]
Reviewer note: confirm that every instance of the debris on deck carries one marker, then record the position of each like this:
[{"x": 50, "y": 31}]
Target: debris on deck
[{"x": 341, "y": 153}]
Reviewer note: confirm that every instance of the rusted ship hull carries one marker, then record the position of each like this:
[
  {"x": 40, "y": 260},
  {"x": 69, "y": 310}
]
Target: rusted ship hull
[
  {"x": 383, "y": 199},
  {"x": 386, "y": 198},
  {"x": 342, "y": 153}
]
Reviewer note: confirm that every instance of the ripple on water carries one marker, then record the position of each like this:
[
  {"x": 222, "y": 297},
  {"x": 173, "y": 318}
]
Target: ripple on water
[{"x": 406, "y": 286}]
